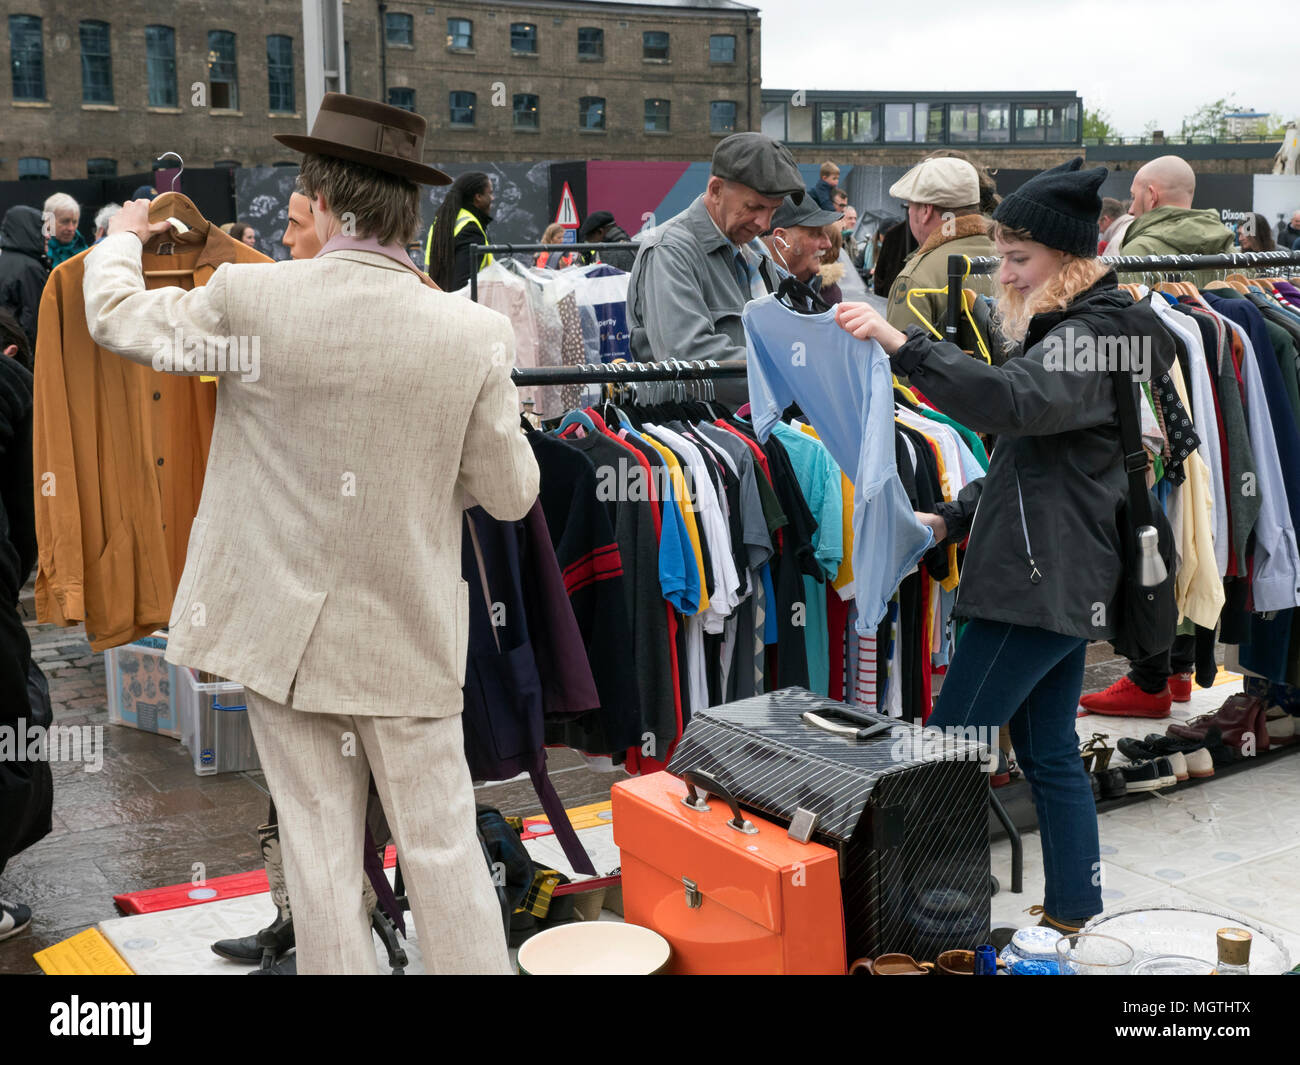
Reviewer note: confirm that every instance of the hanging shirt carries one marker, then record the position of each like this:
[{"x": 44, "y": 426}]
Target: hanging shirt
[
  {"x": 845, "y": 387},
  {"x": 119, "y": 453}
]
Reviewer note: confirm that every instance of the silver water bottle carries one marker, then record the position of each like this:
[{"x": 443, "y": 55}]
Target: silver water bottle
[{"x": 1151, "y": 567}]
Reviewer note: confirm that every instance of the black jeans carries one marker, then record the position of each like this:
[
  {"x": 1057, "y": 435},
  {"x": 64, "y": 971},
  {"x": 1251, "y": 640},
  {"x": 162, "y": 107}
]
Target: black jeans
[{"x": 1152, "y": 674}]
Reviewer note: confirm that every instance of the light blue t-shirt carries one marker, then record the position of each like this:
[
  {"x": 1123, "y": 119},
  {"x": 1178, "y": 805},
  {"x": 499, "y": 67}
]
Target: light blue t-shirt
[{"x": 845, "y": 388}]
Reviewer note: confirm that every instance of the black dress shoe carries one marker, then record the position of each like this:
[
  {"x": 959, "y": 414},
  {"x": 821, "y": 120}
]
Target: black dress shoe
[
  {"x": 1096, "y": 787},
  {"x": 277, "y": 937},
  {"x": 243, "y": 949},
  {"x": 1112, "y": 782}
]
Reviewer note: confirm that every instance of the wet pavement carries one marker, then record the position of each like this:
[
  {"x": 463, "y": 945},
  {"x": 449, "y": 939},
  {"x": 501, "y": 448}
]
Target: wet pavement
[{"x": 145, "y": 820}]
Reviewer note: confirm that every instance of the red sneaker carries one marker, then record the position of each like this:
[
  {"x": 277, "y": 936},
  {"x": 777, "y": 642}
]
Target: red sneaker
[
  {"x": 1180, "y": 687},
  {"x": 1126, "y": 699}
]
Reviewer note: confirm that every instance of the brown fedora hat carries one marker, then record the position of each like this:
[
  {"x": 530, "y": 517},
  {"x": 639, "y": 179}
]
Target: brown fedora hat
[{"x": 365, "y": 131}]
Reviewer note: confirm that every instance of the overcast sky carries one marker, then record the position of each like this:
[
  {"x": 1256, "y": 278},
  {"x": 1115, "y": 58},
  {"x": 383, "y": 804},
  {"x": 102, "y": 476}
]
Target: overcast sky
[{"x": 1138, "y": 61}]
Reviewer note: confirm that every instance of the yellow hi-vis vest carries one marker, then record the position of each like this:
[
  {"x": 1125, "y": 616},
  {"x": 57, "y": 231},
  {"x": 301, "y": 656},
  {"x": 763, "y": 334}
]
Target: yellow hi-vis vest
[{"x": 462, "y": 220}]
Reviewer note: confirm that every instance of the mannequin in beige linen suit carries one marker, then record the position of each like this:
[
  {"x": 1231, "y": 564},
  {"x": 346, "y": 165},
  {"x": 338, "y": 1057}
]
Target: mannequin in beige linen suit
[{"x": 323, "y": 571}]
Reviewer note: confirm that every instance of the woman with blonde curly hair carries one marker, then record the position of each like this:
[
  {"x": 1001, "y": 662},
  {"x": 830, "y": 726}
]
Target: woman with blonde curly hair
[{"x": 1043, "y": 566}]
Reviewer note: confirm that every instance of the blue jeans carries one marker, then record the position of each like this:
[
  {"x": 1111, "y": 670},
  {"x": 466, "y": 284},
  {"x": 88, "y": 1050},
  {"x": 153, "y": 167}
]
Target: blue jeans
[{"x": 1031, "y": 679}]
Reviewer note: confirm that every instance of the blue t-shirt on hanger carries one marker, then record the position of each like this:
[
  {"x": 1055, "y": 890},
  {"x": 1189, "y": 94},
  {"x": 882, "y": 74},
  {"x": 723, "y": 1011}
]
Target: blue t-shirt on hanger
[{"x": 845, "y": 388}]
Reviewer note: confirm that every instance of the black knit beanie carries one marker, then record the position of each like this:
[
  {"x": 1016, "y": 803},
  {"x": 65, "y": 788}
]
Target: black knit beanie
[{"x": 1058, "y": 208}]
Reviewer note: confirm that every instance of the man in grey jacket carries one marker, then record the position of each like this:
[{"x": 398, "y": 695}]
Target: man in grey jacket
[{"x": 694, "y": 274}]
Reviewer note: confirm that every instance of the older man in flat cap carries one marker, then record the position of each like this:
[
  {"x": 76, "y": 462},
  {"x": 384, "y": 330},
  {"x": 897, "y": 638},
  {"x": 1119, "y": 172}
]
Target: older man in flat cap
[
  {"x": 694, "y": 274},
  {"x": 942, "y": 197}
]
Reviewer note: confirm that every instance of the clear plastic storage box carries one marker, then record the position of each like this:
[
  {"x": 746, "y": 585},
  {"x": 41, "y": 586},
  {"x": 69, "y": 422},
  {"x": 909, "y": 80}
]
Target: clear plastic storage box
[
  {"x": 214, "y": 725},
  {"x": 142, "y": 688}
]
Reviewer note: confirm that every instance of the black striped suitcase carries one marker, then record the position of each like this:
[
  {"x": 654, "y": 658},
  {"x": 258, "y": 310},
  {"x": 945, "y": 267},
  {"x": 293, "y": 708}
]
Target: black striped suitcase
[{"x": 907, "y": 812}]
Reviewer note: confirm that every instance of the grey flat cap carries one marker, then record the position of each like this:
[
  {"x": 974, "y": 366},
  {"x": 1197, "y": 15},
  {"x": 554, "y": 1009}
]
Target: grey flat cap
[
  {"x": 807, "y": 213},
  {"x": 760, "y": 162}
]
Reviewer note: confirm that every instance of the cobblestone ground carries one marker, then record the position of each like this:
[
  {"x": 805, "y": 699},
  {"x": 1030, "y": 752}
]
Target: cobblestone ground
[{"x": 145, "y": 820}]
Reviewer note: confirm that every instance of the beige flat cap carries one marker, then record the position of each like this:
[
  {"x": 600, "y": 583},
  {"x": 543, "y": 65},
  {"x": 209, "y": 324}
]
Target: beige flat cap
[{"x": 943, "y": 182}]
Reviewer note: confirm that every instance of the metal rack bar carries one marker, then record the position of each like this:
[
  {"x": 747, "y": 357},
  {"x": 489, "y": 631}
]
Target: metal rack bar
[
  {"x": 475, "y": 250},
  {"x": 1124, "y": 264},
  {"x": 614, "y": 372}
]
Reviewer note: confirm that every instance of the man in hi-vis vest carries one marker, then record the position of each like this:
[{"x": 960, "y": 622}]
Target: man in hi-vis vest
[{"x": 461, "y": 221}]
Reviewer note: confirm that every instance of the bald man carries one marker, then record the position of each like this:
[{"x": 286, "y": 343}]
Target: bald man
[{"x": 1164, "y": 221}]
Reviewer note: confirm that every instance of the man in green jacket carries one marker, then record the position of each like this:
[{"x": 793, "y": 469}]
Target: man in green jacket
[
  {"x": 1164, "y": 222},
  {"x": 942, "y": 197}
]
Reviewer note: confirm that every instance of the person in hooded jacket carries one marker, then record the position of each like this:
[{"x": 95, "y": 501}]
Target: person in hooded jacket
[
  {"x": 600, "y": 227},
  {"x": 26, "y": 787},
  {"x": 23, "y": 267},
  {"x": 1043, "y": 567}
]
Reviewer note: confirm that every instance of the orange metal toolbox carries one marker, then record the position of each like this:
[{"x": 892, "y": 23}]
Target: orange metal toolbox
[{"x": 730, "y": 900}]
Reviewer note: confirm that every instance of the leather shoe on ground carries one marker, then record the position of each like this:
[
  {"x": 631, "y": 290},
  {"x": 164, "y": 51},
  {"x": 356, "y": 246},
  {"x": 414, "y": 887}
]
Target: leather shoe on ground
[
  {"x": 1113, "y": 784},
  {"x": 1200, "y": 763},
  {"x": 1126, "y": 699}
]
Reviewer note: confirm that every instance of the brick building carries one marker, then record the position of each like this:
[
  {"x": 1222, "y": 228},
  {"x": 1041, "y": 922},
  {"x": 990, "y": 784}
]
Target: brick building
[{"x": 509, "y": 80}]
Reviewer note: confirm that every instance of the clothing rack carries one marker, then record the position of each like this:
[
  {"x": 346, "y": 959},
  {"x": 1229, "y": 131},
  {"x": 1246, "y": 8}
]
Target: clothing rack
[
  {"x": 676, "y": 370},
  {"x": 626, "y": 372},
  {"x": 475, "y": 250},
  {"x": 960, "y": 267}
]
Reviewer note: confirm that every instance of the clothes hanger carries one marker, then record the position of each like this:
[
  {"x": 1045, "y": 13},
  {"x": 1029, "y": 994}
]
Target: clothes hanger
[{"x": 791, "y": 288}]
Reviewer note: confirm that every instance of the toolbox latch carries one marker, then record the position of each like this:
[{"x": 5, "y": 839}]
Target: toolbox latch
[{"x": 694, "y": 900}]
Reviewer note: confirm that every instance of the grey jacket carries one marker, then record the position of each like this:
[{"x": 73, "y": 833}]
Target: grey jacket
[
  {"x": 1044, "y": 544},
  {"x": 684, "y": 298}
]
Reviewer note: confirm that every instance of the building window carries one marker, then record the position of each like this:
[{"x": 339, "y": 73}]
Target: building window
[
  {"x": 33, "y": 168},
  {"x": 96, "y": 64},
  {"x": 963, "y": 123},
  {"x": 27, "y": 57},
  {"x": 403, "y": 98},
  {"x": 460, "y": 33},
  {"x": 591, "y": 112},
  {"x": 525, "y": 110},
  {"x": 279, "y": 72},
  {"x": 722, "y": 48},
  {"x": 1054, "y": 123},
  {"x": 460, "y": 106},
  {"x": 773, "y": 121},
  {"x": 995, "y": 122},
  {"x": 101, "y": 168},
  {"x": 656, "y": 116},
  {"x": 399, "y": 28},
  {"x": 223, "y": 84},
  {"x": 722, "y": 116},
  {"x": 591, "y": 42},
  {"x": 1072, "y": 123},
  {"x": 654, "y": 44},
  {"x": 523, "y": 38},
  {"x": 160, "y": 56},
  {"x": 898, "y": 122},
  {"x": 848, "y": 125},
  {"x": 929, "y": 123}
]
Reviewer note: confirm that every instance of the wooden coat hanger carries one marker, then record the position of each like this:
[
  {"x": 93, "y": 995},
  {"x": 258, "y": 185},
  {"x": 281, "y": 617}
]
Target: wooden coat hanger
[{"x": 186, "y": 220}]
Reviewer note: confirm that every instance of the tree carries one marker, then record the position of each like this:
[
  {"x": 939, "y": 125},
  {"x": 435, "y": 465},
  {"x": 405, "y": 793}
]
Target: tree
[
  {"x": 1152, "y": 124},
  {"x": 1275, "y": 127},
  {"x": 1097, "y": 124},
  {"x": 1209, "y": 120}
]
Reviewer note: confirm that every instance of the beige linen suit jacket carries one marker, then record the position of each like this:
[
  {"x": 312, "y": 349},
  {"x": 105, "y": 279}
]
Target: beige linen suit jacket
[{"x": 323, "y": 568}]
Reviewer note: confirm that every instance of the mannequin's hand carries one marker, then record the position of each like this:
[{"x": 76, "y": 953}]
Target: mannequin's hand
[
  {"x": 866, "y": 323},
  {"x": 134, "y": 218}
]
